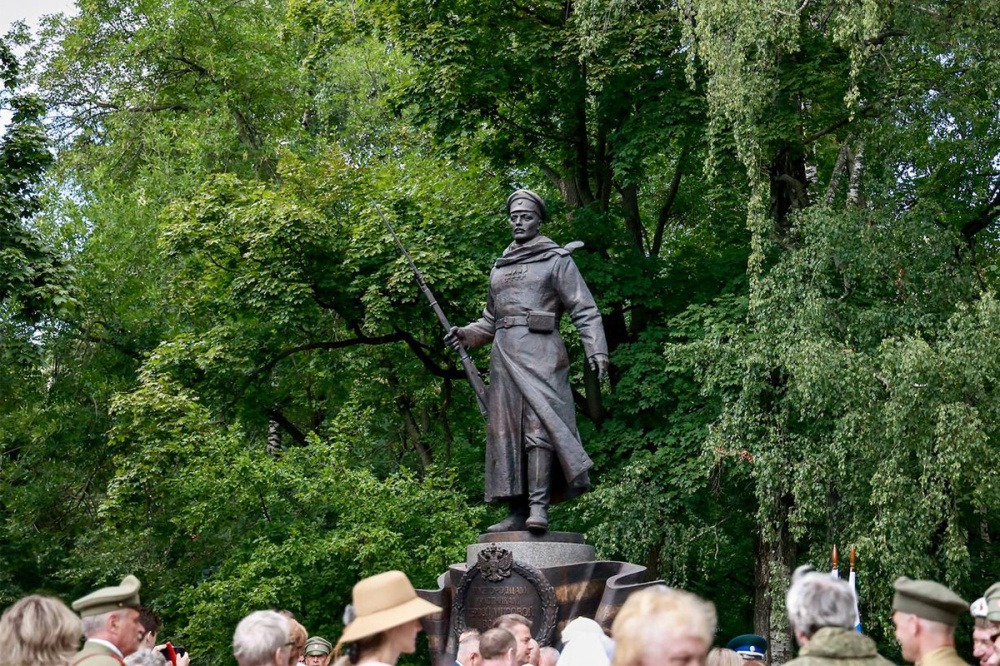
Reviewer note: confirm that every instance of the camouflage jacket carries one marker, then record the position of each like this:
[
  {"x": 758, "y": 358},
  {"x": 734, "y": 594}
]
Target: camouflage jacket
[{"x": 834, "y": 646}]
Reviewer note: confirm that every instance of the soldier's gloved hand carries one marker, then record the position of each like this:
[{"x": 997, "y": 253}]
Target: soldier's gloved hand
[
  {"x": 454, "y": 336},
  {"x": 599, "y": 363}
]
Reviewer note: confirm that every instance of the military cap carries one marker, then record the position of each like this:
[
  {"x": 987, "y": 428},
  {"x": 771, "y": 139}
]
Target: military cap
[
  {"x": 978, "y": 610},
  {"x": 928, "y": 600},
  {"x": 107, "y": 599},
  {"x": 316, "y": 645},
  {"x": 992, "y": 597},
  {"x": 528, "y": 195},
  {"x": 749, "y": 646}
]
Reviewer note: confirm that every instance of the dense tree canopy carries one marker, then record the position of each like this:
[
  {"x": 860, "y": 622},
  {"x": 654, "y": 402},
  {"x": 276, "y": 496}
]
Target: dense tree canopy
[{"x": 217, "y": 372}]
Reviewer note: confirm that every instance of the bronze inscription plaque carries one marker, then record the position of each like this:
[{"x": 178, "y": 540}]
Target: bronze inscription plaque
[
  {"x": 486, "y": 601},
  {"x": 497, "y": 585}
]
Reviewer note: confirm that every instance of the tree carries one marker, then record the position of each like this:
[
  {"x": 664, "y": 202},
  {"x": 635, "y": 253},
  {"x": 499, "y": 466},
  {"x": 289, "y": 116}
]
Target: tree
[{"x": 789, "y": 215}]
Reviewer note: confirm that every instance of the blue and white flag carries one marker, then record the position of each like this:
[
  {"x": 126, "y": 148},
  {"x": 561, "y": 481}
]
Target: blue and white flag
[{"x": 853, "y": 582}]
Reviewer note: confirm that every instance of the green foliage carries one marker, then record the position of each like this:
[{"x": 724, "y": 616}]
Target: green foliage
[
  {"x": 33, "y": 279},
  {"x": 247, "y": 530},
  {"x": 238, "y": 393}
]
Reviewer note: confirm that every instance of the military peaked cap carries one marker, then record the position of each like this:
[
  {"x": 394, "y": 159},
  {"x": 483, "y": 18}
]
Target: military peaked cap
[
  {"x": 318, "y": 646},
  {"x": 993, "y": 602},
  {"x": 978, "y": 610},
  {"x": 107, "y": 599},
  {"x": 528, "y": 195},
  {"x": 749, "y": 646},
  {"x": 928, "y": 600}
]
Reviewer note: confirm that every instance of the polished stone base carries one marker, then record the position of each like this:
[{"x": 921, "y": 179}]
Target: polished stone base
[
  {"x": 553, "y": 577},
  {"x": 552, "y": 549}
]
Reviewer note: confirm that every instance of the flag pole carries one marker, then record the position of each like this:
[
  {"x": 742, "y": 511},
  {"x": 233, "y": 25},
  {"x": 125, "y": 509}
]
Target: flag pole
[{"x": 852, "y": 579}]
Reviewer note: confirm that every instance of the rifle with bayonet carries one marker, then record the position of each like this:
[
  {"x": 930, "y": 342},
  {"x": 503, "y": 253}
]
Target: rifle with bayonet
[{"x": 471, "y": 372}]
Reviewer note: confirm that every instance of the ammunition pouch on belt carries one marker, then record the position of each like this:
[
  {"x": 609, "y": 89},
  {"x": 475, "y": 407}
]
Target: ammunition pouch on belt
[
  {"x": 541, "y": 322},
  {"x": 536, "y": 321}
]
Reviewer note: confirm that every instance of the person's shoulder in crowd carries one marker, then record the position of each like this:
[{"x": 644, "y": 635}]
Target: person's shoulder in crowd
[
  {"x": 841, "y": 647},
  {"x": 95, "y": 654},
  {"x": 943, "y": 656}
]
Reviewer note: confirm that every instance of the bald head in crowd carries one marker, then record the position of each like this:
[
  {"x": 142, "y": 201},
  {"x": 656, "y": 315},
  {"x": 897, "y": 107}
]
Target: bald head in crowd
[{"x": 497, "y": 646}]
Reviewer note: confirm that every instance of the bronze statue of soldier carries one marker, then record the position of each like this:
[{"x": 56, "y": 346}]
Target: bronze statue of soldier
[{"x": 534, "y": 455}]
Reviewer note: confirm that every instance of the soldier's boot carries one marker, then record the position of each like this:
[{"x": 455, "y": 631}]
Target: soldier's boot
[
  {"x": 539, "y": 477},
  {"x": 514, "y": 522}
]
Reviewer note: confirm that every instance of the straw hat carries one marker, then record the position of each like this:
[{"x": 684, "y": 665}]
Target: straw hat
[{"x": 382, "y": 602}]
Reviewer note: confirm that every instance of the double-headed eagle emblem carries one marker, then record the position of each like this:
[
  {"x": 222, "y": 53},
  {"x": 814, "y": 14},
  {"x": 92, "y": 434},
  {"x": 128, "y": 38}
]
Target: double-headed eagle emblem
[{"x": 495, "y": 563}]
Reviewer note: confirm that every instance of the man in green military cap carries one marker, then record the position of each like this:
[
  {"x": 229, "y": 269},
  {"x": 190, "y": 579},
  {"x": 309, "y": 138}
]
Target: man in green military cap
[
  {"x": 992, "y": 597},
  {"x": 983, "y": 631},
  {"x": 317, "y": 651},
  {"x": 110, "y": 624},
  {"x": 925, "y": 614}
]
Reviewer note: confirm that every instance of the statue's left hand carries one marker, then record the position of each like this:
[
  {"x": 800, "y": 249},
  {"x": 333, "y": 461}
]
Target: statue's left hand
[{"x": 599, "y": 363}]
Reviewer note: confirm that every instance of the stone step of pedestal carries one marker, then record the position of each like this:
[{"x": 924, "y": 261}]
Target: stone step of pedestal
[
  {"x": 531, "y": 537},
  {"x": 552, "y": 549}
]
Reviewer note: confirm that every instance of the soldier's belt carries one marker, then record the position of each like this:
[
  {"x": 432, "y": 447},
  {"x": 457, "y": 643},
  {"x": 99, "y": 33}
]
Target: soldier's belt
[{"x": 537, "y": 322}]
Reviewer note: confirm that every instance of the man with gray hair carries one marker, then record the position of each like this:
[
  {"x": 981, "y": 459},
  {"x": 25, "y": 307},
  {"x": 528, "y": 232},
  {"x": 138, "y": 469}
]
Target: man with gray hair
[
  {"x": 821, "y": 612},
  {"x": 262, "y": 639},
  {"x": 548, "y": 656},
  {"x": 468, "y": 649}
]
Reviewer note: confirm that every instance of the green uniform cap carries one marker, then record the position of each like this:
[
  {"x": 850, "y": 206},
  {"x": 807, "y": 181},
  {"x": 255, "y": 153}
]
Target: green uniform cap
[
  {"x": 107, "y": 599},
  {"x": 318, "y": 646},
  {"x": 929, "y": 600},
  {"x": 978, "y": 611},
  {"x": 993, "y": 603}
]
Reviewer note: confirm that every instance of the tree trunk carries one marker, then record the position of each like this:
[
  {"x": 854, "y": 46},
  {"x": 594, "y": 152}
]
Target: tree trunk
[
  {"x": 773, "y": 559},
  {"x": 855, "y": 166},
  {"x": 788, "y": 186},
  {"x": 273, "y": 439},
  {"x": 633, "y": 219},
  {"x": 838, "y": 171}
]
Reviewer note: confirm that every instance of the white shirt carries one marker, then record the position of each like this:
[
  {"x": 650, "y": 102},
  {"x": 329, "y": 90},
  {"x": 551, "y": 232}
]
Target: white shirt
[{"x": 111, "y": 646}]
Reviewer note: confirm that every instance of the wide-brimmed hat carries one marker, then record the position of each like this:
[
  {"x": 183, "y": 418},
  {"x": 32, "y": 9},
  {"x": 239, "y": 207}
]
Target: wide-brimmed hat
[{"x": 383, "y": 602}]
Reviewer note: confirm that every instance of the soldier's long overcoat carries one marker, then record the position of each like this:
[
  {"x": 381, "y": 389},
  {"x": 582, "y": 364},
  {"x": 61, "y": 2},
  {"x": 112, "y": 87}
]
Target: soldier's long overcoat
[{"x": 530, "y": 402}]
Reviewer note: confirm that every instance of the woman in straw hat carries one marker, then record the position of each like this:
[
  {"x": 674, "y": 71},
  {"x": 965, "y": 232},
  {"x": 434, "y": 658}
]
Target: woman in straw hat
[{"x": 386, "y": 622}]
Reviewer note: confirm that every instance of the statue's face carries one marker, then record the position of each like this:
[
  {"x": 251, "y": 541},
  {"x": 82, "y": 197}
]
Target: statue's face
[{"x": 525, "y": 221}]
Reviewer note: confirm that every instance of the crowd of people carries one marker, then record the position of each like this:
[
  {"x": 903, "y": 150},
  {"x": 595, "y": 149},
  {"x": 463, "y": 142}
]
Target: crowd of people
[{"x": 656, "y": 626}]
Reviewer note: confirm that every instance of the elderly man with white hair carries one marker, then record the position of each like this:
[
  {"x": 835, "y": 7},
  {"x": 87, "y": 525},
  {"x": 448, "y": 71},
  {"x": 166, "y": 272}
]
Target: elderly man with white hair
[
  {"x": 821, "y": 612},
  {"x": 262, "y": 639}
]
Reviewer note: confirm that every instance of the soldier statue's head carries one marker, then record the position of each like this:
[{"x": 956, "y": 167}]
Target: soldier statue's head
[{"x": 527, "y": 212}]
